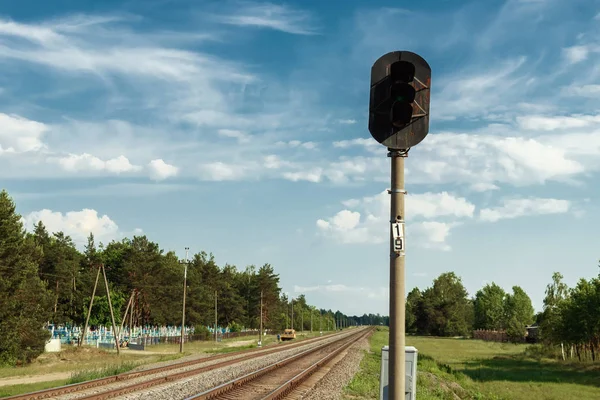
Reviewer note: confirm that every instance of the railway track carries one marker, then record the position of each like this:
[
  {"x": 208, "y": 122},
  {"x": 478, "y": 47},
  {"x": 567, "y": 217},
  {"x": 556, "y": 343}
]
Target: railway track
[
  {"x": 278, "y": 380},
  {"x": 77, "y": 388}
]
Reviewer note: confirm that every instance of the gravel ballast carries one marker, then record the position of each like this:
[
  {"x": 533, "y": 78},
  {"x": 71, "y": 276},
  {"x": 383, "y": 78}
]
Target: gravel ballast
[
  {"x": 330, "y": 387},
  {"x": 187, "y": 387}
]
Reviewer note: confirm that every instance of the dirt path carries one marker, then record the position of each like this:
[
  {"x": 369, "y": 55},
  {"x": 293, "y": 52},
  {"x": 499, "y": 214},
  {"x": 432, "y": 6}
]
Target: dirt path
[
  {"x": 240, "y": 343},
  {"x": 19, "y": 380}
]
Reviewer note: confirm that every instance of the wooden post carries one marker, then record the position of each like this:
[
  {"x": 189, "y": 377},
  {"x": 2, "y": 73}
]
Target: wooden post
[
  {"x": 215, "y": 315},
  {"x": 131, "y": 314},
  {"x": 112, "y": 315},
  {"x": 260, "y": 334},
  {"x": 87, "y": 319},
  {"x": 125, "y": 316}
]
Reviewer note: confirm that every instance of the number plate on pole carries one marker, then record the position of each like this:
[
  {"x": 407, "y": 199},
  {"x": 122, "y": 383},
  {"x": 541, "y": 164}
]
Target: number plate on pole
[{"x": 398, "y": 235}]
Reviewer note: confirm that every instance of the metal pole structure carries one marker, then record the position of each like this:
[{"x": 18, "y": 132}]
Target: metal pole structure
[
  {"x": 87, "y": 319},
  {"x": 260, "y": 332},
  {"x": 397, "y": 271},
  {"x": 184, "y": 293},
  {"x": 112, "y": 315},
  {"x": 215, "y": 315},
  {"x": 131, "y": 315},
  {"x": 125, "y": 316}
]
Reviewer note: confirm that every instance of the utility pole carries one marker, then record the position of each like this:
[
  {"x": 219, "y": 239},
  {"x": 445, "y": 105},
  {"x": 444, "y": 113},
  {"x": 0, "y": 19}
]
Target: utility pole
[
  {"x": 399, "y": 120},
  {"x": 112, "y": 314},
  {"x": 311, "y": 315},
  {"x": 301, "y": 319},
  {"x": 184, "y": 293},
  {"x": 261, "y": 319},
  {"x": 87, "y": 318},
  {"x": 292, "y": 313},
  {"x": 215, "y": 315}
]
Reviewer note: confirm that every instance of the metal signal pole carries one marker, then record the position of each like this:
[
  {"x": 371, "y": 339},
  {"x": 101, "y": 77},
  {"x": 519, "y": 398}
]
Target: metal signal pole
[
  {"x": 397, "y": 268},
  {"x": 184, "y": 293}
]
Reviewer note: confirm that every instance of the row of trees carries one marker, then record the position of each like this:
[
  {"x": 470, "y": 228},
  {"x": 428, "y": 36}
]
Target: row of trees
[
  {"x": 445, "y": 309},
  {"x": 45, "y": 278},
  {"x": 571, "y": 318},
  {"x": 569, "y": 322}
]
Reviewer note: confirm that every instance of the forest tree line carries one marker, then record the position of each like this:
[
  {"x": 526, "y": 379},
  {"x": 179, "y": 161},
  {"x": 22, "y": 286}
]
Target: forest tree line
[
  {"x": 44, "y": 279},
  {"x": 569, "y": 323}
]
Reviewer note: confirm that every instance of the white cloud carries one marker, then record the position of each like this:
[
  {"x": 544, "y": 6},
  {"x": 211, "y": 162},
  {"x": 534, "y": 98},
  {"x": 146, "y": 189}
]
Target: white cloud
[
  {"x": 154, "y": 71},
  {"x": 347, "y": 121},
  {"x": 242, "y": 137},
  {"x": 488, "y": 159},
  {"x": 583, "y": 91},
  {"x": 160, "y": 170},
  {"x": 370, "y": 144},
  {"x": 272, "y": 16},
  {"x": 313, "y": 175},
  {"x": 18, "y": 134},
  {"x": 76, "y": 224},
  {"x": 370, "y": 224},
  {"x": 478, "y": 93},
  {"x": 297, "y": 143},
  {"x": 483, "y": 187},
  {"x": 576, "y": 54},
  {"x": 380, "y": 292},
  {"x": 434, "y": 232},
  {"x": 514, "y": 208},
  {"x": 219, "y": 171},
  {"x": 88, "y": 162},
  {"x": 546, "y": 123},
  {"x": 273, "y": 161},
  {"x": 432, "y": 205}
]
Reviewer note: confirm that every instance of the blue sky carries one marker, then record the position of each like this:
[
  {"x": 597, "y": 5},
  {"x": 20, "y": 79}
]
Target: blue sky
[{"x": 240, "y": 128}]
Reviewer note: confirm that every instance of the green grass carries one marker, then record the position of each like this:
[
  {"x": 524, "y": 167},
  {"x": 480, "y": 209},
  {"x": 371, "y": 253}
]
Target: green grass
[
  {"x": 473, "y": 369},
  {"x": 108, "y": 370},
  {"x": 365, "y": 383},
  {"x": 233, "y": 349},
  {"x": 6, "y": 391}
]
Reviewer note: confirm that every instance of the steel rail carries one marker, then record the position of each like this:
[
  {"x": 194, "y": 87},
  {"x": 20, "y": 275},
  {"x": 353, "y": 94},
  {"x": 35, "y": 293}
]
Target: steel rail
[
  {"x": 237, "y": 383},
  {"x": 244, "y": 355},
  {"x": 291, "y": 384}
]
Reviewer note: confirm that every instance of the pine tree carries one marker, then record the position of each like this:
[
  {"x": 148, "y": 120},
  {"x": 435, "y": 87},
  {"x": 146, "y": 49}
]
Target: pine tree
[{"x": 25, "y": 303}]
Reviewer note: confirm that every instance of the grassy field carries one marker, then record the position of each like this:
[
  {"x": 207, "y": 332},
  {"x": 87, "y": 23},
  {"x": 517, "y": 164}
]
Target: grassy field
[
  {"x": 74, "y": 364},
  {"x": 472, "y": 369}
]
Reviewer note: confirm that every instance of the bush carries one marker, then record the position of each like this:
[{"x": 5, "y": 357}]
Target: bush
[
  {"x": 235, "y": 327},
  {"x": 539, "y": 351},
  {"x": 201, "y": 332}
]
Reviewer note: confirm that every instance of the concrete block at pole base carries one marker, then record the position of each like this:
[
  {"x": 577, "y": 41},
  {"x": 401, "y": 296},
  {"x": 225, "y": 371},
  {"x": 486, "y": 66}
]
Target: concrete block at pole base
[
  {"x": 411, "y": 372},
  {"x": 53, "y": 346}
]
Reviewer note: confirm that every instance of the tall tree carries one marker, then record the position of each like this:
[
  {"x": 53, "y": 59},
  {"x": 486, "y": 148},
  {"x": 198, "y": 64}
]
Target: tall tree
[
  {"x": 519, "y": 313},
  {"x": 489, "y": 308},
  {"x": 448, "y": 309},
  {"x": 25, "y": 303}
]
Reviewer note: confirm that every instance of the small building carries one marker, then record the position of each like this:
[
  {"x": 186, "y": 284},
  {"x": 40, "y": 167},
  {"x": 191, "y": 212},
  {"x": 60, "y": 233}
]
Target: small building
[{"x": 532, "y": 334}]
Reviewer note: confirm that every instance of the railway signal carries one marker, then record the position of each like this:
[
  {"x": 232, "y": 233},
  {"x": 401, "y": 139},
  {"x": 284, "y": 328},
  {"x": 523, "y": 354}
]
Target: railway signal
[{"x": 399, "y": 120}]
